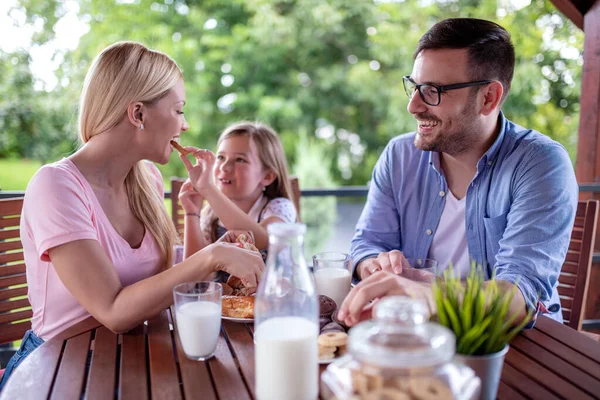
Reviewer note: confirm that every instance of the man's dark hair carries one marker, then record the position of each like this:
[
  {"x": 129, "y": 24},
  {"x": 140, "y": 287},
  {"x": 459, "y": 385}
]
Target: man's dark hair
[{"x": 490, "y": 51}]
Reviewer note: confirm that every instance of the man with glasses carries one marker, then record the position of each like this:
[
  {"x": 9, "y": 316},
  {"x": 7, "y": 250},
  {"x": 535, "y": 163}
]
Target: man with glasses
[{"x": 468, "y": 185}]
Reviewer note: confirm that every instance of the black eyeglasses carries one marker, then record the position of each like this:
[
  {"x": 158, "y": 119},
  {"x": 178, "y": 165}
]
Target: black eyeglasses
[{"x": 432, "y": 94}]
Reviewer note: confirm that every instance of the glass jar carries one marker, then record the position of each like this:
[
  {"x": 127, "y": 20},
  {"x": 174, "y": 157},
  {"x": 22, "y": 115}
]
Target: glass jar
[
  {"x": 399, "y": 355},
  {"x": 286, "y": 320}
]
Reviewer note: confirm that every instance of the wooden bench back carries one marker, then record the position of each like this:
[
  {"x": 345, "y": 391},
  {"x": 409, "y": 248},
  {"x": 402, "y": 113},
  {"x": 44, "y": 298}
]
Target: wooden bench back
[
  {"x": 177, "y": 210},
  {"x": 15, "y": 310},
  {"x": 574, "y": 276}
]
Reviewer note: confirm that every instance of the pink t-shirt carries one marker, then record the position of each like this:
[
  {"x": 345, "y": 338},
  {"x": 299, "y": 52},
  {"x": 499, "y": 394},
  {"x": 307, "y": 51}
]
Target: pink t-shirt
[{"x": 61, "y": 207}]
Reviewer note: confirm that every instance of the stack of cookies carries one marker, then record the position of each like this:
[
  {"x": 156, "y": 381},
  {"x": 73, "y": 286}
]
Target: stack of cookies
[
  {"x": 332, "y": 345},
  {"x": 333, "y": 337}
]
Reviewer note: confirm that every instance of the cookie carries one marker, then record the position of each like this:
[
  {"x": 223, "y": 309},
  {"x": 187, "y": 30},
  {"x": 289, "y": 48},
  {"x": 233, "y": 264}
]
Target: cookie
[
  {"x": 323, "y": 321},
  {"x": 326, "y": 306},
  {"x": 429, "y": 389},
  {"x": 387, "y": 394},
  {"x": 332, "y": 327},
  {"x": 326, "y": 356},
  {"x": 326, "y": 350},
  {"x": 333, "y": 339}
]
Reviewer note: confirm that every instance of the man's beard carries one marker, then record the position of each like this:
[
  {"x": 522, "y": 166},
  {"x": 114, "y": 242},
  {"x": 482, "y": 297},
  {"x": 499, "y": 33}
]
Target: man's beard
[{"x": 462, "y": 138}]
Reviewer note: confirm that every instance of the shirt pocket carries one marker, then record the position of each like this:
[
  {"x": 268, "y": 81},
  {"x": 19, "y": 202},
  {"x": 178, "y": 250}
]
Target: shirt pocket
[{"x": 494, "y": 229}]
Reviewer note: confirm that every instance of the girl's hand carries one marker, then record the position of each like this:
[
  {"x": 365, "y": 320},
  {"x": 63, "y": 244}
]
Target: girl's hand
[
  {"x": 201, "y": 173},
  {"x": 191, "y": 200},
  {"x": 244, "y": 264},
  {"x": 231, "y": 237}
]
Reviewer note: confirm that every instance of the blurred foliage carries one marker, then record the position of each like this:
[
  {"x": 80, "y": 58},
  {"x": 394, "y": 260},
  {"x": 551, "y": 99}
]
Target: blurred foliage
[{"x": 330, "y": 70}]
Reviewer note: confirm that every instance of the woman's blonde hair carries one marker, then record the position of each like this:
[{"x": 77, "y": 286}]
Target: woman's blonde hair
[
  {"x": 272, "y": 158},
  {"x": 123, "y": 73}
]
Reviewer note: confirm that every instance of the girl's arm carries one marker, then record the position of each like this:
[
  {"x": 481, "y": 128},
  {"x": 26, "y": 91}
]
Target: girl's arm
[
  {"x": 191, "y": 202},
  {"x": 87, "y": 272},
  {"x": 234, "y": 218}
]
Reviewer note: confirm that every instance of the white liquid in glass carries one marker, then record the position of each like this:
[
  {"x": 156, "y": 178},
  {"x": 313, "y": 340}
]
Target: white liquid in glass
[
  {"x": 199, "y": 324},
  {"x": 286, "y": 359},
  {"x": 333, "y": 283}
]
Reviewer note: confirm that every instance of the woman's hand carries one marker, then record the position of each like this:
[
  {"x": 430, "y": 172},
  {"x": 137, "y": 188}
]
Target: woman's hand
[
  {"x": 200, "y": 173},
  {"x": 244, "y": 264},
  {"x": 381, "y": 284},
  {"x": 191, "y": 200}
]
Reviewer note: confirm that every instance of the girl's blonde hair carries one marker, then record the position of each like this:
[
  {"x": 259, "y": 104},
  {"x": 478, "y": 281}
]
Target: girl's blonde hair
[
  {"x": 271, "y": 156},
  {"x": 123, "y": 73}
]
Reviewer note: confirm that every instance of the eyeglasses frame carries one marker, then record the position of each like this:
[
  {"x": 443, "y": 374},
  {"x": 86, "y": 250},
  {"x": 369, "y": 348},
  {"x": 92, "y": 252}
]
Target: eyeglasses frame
[{"x": 440, "y": 89}]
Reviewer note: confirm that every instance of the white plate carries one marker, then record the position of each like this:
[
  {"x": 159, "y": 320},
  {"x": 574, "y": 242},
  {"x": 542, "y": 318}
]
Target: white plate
[{"x": 241, "y": 320}]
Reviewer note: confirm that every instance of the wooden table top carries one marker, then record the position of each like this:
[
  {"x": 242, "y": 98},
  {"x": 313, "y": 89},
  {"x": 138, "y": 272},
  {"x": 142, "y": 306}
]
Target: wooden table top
[{"x": 550, "y": 361}]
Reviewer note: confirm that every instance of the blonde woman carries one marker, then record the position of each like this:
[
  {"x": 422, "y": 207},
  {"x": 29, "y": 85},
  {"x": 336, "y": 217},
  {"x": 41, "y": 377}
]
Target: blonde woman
[
  {"x": 96, "y": 236},
  {"x": 245, "y": 185}
]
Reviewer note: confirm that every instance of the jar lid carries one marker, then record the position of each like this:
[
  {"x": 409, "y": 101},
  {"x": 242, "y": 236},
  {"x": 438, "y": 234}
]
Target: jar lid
[{"x": 401, "y": 337}]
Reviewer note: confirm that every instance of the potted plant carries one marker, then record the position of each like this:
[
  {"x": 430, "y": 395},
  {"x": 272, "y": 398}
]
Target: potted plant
[{"x": 478, "y": 315}]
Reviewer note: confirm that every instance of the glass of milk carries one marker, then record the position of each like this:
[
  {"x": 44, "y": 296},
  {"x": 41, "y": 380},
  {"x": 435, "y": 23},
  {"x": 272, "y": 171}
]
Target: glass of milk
[
  {"x": 198, "y": 317},
  {"x": 332, "y": 275}
]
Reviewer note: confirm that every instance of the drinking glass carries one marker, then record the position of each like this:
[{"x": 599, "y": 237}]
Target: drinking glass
[
  {"x": 198, "y": 317},
  {"x": 333, "y": 275},
  {"x": 420, "y": 269}
]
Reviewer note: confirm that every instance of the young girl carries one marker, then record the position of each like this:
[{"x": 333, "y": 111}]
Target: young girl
[
  {"x": 246, "y": 187},
  {"x": 96, "y": 236}
]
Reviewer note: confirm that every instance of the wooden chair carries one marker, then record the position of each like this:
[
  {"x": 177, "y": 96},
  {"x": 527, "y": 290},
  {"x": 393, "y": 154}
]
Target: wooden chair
[
  {"x": 15, "y": 310},
  {"x": 574, "y": 276},
  {"x": 177, "y": 211}
]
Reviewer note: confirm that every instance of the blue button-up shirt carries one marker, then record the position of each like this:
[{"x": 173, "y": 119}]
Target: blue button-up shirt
[{"x": 520, "y": 209}]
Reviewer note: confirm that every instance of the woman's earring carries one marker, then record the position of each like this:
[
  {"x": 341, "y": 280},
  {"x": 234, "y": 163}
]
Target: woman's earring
[
  {"x": 264, "y": 188},
  {"x": 141, "y": 127}
]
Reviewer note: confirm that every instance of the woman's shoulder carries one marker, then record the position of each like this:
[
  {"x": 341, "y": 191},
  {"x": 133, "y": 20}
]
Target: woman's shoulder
[{"x": 55, "y": 177}]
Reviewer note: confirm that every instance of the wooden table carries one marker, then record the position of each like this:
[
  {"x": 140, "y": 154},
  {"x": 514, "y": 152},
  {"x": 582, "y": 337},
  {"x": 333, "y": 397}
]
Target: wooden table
[{"x": 550, "y": 361}]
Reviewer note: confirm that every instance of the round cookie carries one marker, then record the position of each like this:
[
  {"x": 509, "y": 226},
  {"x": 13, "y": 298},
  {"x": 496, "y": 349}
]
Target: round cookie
[
  {"x": 326, "y": 306},
  {"x": 387, "y": 394},
  {"x": 323, "y": 321},
  {"x": 429, "y": 389},
  {"x": 332, "y": 327},
  {"x": 333, "y": 339}
]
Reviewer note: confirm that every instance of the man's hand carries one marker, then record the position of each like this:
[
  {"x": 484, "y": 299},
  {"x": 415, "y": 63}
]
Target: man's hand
[
  {"x": 392, "y": 261},
  {"x": 359, "y": 302}
]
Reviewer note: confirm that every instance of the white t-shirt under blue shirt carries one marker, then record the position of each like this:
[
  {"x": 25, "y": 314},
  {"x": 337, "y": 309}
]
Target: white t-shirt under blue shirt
[{"x": 449, "y": 243}]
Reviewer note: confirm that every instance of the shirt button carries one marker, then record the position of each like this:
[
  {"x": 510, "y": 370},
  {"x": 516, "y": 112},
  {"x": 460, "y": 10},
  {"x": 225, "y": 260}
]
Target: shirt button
[
  {"x": 490, "y": 162},
  {"x": 442, "y": 193},
  {"x": 470, "y": 227},
  {"x": 428, "y": 232}
]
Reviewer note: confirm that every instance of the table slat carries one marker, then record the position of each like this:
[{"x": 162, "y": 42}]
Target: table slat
[
  {"x": 195, "y": 376},
  {"x": 531, "y": 389},
  {"x": 563, "y": 351},
  {"x": 35, "y": 375},
  {"x": 572, "y": 373},
  {"x": 102, "y": 375},
  {"x": 225, "y": 373},
  {"x": 507, "y": 392},
  {"x": 576, "y": 340},
  {"x": 133, "y": 376},
  {"x": 242, "y": 344},
  {"x": 164, "y": 380},
  {"x": 544, "y": 376},
  {"x": 69, "y": 380}
]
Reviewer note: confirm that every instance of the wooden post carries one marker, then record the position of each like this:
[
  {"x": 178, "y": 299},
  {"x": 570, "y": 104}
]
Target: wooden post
[{"x": 588, "y": 148}]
